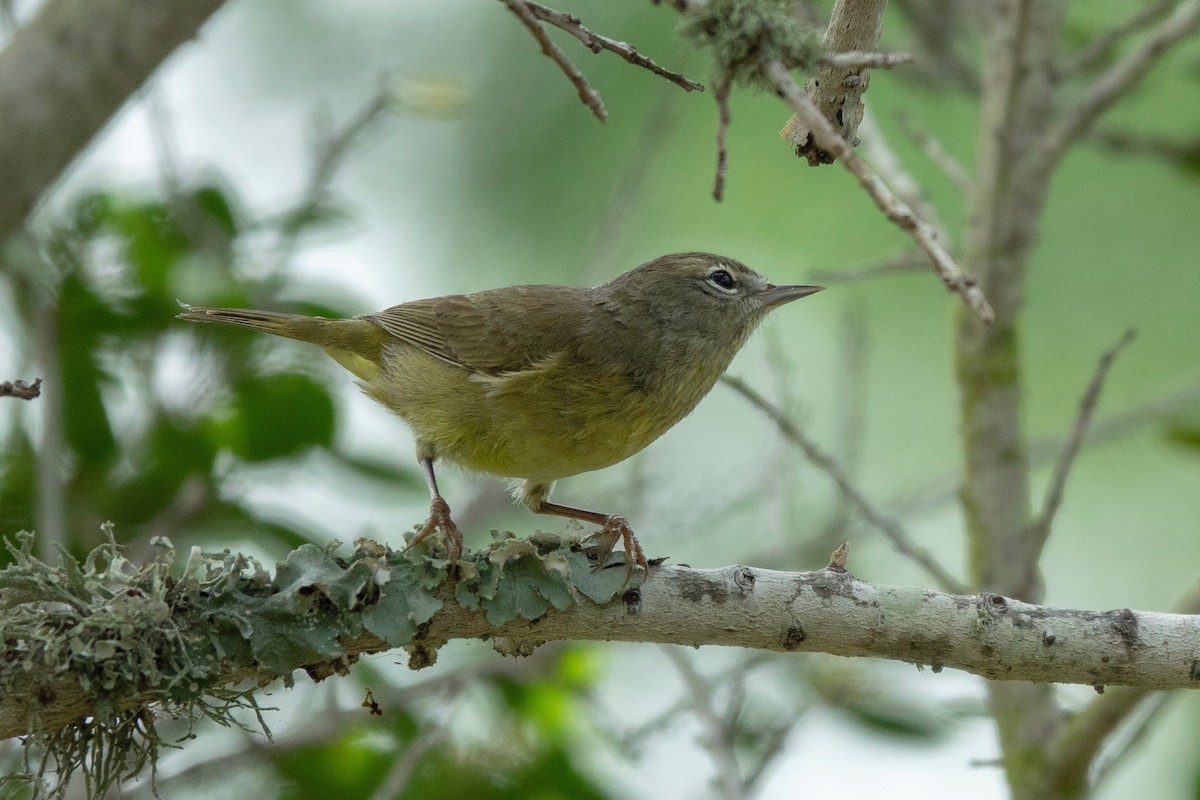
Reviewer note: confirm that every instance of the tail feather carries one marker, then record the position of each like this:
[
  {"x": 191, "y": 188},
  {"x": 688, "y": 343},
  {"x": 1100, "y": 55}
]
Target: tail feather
[{"x": 317, "y": 330}]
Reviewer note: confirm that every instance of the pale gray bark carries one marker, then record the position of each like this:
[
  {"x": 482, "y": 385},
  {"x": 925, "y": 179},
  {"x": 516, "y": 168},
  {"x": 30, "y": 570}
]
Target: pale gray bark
[{"x": 825, "y": 611}]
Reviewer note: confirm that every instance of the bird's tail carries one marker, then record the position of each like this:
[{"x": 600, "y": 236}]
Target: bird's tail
[{"x": 317, "y": 330}]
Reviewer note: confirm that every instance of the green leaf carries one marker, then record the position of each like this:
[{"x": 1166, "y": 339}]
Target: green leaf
[
  {"x": 85, "y": 418},
  {"x": 281, "y": 415},
  {"x": 216, "y": 205},
  {"x": 154, "y": 241}
]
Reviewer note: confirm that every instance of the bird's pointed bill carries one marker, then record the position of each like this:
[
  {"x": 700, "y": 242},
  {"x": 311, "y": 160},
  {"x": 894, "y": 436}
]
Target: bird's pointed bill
[{"x": 774, "y": 295}]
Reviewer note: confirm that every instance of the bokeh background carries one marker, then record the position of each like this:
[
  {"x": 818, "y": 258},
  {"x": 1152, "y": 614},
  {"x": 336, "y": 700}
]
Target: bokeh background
[{"x": 235, "y": 178}]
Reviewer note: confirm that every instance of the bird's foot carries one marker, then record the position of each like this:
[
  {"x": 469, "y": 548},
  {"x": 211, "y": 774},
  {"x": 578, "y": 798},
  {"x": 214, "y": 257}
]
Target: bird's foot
[
  {"x": 439, "y": 519},
  {"x": 614, "y": 529}
]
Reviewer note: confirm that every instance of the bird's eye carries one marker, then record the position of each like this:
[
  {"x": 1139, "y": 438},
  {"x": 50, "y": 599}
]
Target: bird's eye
[{"x": 722, "y": 280}]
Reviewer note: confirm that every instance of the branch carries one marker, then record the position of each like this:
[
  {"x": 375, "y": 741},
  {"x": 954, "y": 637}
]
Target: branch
[
  {"x": 1119, "y": 80},
  {"x": 904, "y": 263},
  {"x": 721, "y": 95},
  {"x": 595, "y": 42},
  {"x": 21, "y": 390},
  {"x": 719, "y": 729},
  {"x": 1072, "y": 752},
  {"x": 857, "y": 59},
  {"x": 63, "y": 76},
  {"x": 836, "y": 90},
  {"x": 1039, "y": 531},
  {"x": 317, "y": 612},
  {"x": 589, "y": 96},
  {"x": 922, "y": 232},
  {"x": 936, "y": 152},
  {"x": 1099, "y": 48},
  {"x": 823, "y": 461}
]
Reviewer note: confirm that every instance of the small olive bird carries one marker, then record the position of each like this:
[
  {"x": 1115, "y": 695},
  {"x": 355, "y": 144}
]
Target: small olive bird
[{"x": 544, "y": 382}]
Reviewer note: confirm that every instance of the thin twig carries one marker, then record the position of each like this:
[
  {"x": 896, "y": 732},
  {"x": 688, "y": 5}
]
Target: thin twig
[
  {"x": 589, "y": 96},
  {"x": 636, "y": 172},
  {"x": 1116, "y": 82},
  {"x": 878, "y": 153},
  {"x": 596, "y": 42},
  {"x": 1039, "y": 531},
  {"x": 719, "y": 738},
  {"x": 1184, "y": 154},
  {"x": 944, "y": 489},
  {"x": 904, "y": 263},
  {"x": 924, "y": 234},
  {"x": 826, "y": 463},
  {"x": 933, "y": 149},
  {"x": 856, "y": 59},
  {"x": 721, "y": 95},
  {"x": 331, "y": 149},
  {"x": 21, "y": 390},
  {"x": 1099, "y": 48}
]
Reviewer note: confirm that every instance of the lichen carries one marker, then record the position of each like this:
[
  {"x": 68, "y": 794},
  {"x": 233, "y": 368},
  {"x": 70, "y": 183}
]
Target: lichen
[
  {"x": 744, "y": 33},
  {"x": 163, "y": 637}
]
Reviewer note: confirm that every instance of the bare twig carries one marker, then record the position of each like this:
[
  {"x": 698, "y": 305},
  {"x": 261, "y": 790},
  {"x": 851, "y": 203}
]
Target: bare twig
[
  {"x": 596, "y": 43},
  {"x": 718, "y": 738},
  {"x": 636, "y": 171},
  {"x": 721, "y": 95},
  {"x": 944, "y": 489},
  {"x": 827, "y": 464},
  {"x": 908, "y": 262},
  {"x": 1039, "y": 531},
  {"x": 589, "y": 96},
  {"x": 940, "y": 28},
  {"x": 331, "y": 149},
  {"x": 1099, "y": 48},
  {"x": 857, "y": 59},
  {"x": 1119, "y": 79},
  {"x": 878, "y": 153},
  {"x": 394, "y": 784},
  {"x": 21, "y": 390},
  {"x": 922, "y": 232},
  {"x": 935, "y": 152},
  {"x": 1182, "y": 153}
]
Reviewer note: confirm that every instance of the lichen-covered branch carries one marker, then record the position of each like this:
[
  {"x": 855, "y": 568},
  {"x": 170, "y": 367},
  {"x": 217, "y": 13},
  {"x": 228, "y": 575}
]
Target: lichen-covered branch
[{"x": 108, "y": 637}]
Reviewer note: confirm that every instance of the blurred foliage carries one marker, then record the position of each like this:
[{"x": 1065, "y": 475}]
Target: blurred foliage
[{"x": 149, "y": 453}]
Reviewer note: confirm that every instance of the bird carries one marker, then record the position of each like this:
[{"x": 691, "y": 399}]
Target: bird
[{"x": 542, "y": 382}]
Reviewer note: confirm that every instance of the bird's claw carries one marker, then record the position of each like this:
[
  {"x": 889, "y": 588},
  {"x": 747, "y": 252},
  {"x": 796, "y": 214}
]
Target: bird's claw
[
  {"x": 439, "y": 519},
  {"x": 615, "y": 529}
]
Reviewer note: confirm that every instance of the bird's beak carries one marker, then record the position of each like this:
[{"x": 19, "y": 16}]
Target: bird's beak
[{"x": 773, "y": 295}]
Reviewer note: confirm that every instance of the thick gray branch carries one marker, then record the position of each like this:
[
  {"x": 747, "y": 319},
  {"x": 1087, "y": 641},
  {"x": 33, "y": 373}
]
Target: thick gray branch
[
  {"x": 64, "y": 75},
  {"x": 825, "y": 611}
]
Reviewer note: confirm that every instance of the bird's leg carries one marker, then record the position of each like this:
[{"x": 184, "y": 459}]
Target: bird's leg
[
  {"x": 612, "y": 528},
  {"x": 439, "y": 518}
]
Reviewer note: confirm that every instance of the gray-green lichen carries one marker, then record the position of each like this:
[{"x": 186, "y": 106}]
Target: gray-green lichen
[
  {"x": 173, "y": 634},
  {"x": 744, "y": 33}
]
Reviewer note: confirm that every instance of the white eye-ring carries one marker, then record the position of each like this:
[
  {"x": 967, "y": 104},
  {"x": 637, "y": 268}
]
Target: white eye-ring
[{"x": 723, "y": 280}]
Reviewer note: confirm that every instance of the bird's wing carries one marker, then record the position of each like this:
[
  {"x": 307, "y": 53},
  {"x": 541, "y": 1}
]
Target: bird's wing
[{"x": 494, "y": 332}]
